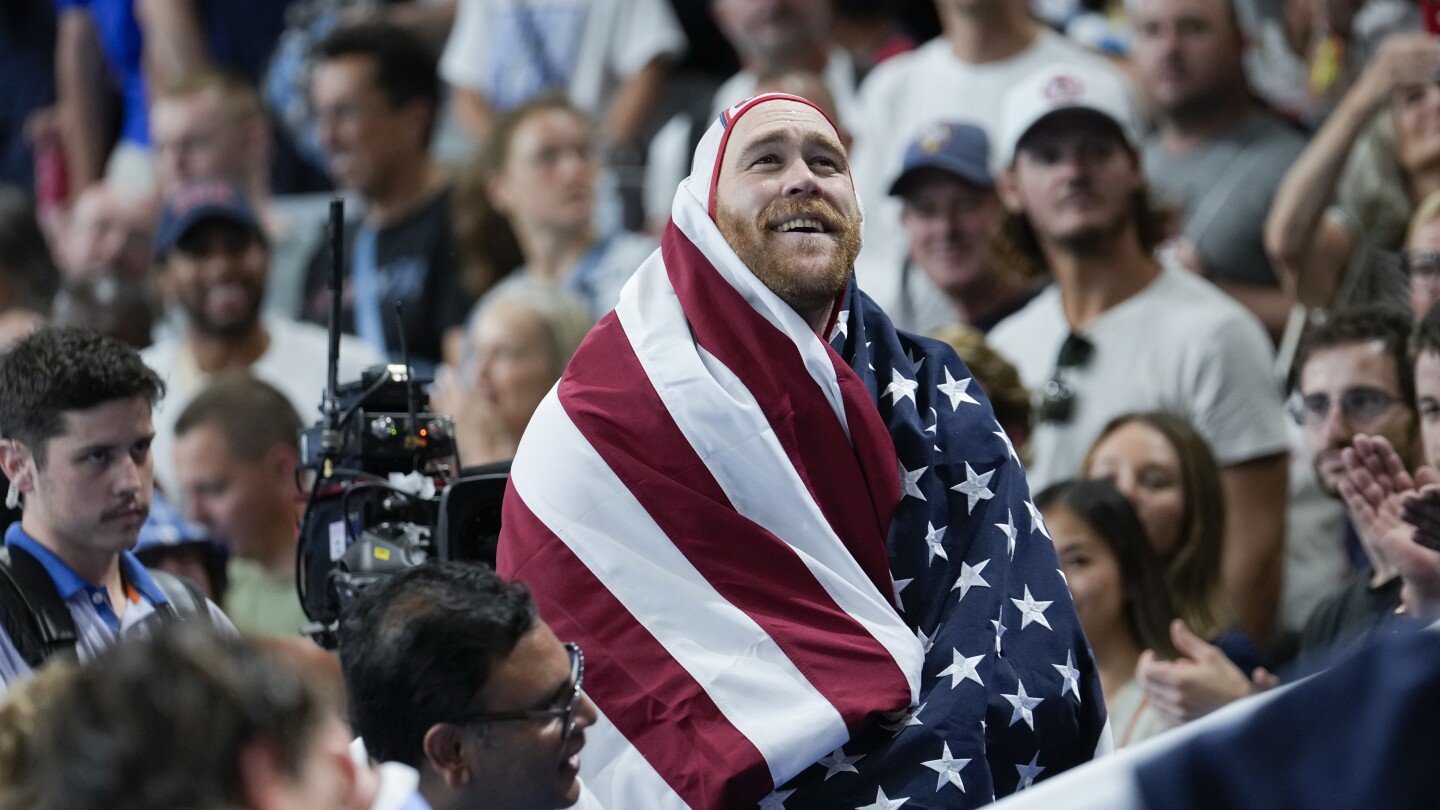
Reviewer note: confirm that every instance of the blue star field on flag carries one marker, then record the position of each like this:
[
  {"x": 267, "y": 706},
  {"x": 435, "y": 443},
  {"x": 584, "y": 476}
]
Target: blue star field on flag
[{"x": 1009, "y": 693}]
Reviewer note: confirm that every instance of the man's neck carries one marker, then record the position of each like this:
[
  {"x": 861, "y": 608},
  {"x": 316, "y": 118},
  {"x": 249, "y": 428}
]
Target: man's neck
[
  {"x": 1091, "y": 284},
  {"x": 407, "y": 188},
  {"x": 551, "y": 253},
  {"x": 1180, "y": 134},
  {"x": 214, "y": 354},
  {"x": 96, "y": 567},
  {"x": 274, "y": 549},
  {"x": 1004, "y": 31}
]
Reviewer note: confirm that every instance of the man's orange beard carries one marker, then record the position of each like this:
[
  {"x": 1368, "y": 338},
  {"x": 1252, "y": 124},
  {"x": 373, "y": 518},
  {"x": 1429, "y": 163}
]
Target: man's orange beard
[{"x": 803, "y": 292}]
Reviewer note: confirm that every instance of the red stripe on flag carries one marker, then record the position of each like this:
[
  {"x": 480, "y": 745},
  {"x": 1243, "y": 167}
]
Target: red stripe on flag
[
  {"x": 651, "y": 699},
  {"x": 858, "y": 501},
  {"x": 636, "y": 436}
]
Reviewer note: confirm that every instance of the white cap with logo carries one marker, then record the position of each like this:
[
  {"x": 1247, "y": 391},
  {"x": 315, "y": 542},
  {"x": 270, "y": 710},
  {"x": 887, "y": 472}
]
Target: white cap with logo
[{"x": 1063, "y": 87}]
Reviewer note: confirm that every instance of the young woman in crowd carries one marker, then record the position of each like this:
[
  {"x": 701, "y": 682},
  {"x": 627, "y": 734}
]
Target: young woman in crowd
[
  {"x": 1165, "y": 468},
  {"x": 1118, "y": 586},
  {"x": 529, "y": 198}
]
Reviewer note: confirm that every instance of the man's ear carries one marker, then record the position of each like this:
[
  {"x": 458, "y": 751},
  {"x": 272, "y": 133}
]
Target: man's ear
[
  {"x": 261, "y": 776},
  {"x": 14, "y": 460},
  {"x": 1009, "y": 191},
  {"x": 444, "y": 747},
  {"x": 279, "y": 463}
]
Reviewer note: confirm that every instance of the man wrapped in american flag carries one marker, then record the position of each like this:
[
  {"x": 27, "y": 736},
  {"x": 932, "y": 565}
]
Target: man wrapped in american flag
[{"x": 804, "y": 573}]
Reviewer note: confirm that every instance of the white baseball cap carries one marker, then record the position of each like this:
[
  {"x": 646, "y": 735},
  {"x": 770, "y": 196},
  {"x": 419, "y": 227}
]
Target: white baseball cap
[{"x": 1061, "y": 87}]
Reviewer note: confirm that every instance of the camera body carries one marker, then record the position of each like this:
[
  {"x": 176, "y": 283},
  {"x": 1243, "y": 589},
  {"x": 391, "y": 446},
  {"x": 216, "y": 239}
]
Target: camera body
[{"x": 386, "y": 495}]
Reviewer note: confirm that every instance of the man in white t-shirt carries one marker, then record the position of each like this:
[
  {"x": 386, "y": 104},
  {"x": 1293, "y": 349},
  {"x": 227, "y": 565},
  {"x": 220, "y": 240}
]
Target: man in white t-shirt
[
  {"x": 609, "y": 57},
  {"x": 213, "y": 252},
  {"x": 987, "y": 46},
  {"x": 1119, "y": 332}
]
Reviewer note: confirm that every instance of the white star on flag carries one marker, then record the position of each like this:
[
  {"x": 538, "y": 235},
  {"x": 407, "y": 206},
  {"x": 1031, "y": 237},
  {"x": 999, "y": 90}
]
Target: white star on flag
[
  {"x": 934, "y": 423},
  {"x": 911, "y": 357},
  {"x": 910, "y": 481},
  {"x": 882, "y": 802},
  {"x": 961, "y": 669},
  {"x": 900, "y": 388},
  {"x": 903, "y": 719},
  {"x": 900, "y": 586},
  {"x": 1008, "y": 527},
  {"x": 776, "y": 800},
  {"x": 955, "y": 390},
  {"x": 999, "y": 624},
  {"x": 842, "y": 324},
  {"x": 836, "y": 762},
  {"x": 1037, "y": 523},
  {"x": 975, "y": 488},
  {"x": 933, "y": 539},
  {"x": 1032, "y": 611},
  {"x": 1029, "y": 772},
  {"x": 926, "y": 642},
  {"x": 1071, "y": 675},
  {"x": 970, "y": 578},
  {"x": 948, "y": 767},
  {"x": 1024, "y": 706},
  {"x": 1005, "y": 437}
]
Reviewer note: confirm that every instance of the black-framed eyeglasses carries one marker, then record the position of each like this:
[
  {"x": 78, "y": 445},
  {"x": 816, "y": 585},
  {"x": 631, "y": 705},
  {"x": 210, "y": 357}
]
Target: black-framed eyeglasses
[
  {"x": 1422, "y": 263},
  {"x": 1360, "y": 404},
  {"x": 566, "y": 712},
  {"x": 1057, "y": 400}
]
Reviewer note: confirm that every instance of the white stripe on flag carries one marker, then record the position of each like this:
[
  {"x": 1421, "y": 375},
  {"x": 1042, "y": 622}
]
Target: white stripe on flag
[
  {"x": 624, "y": 778},
  {"x": 725, "y": 425},
  {"x": 739, "y": 666}
]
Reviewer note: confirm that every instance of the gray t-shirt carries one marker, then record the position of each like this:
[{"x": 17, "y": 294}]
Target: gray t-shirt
[{"x": 1225, "y": 189}]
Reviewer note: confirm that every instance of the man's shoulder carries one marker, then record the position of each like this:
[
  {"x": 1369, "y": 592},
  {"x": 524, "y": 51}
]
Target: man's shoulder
[{"x": 1187, "y": 301}]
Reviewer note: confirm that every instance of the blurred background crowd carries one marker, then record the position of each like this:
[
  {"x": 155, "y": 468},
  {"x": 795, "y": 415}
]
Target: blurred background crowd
[{"x": 507, "y": 164}]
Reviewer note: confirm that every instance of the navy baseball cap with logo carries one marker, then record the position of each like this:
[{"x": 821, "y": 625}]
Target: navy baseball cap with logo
[
  {"x": 198, "y": 202},
  {"x": 960, "y": 149}
]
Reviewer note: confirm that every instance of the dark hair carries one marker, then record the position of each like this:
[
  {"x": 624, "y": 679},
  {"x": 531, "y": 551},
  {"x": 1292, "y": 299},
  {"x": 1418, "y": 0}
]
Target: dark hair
[
  {"x": 1365, "y": 324},
  {"x": 251, "y": 414},
  {"x": 1193, "y": 567},
  {"x": 404, "y": 64},
  {"x": 164, "y": 721},
  {"x": 59, "y": 369},
  {"x": 487, "y": 242},
  {"x": 419, "y": 647},
  {"x": 1102, "y": 507},
  {"x": 29, "y": 272}
]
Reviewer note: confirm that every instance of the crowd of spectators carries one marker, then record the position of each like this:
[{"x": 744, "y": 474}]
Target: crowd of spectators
[{"x": 1200, "y": 302}]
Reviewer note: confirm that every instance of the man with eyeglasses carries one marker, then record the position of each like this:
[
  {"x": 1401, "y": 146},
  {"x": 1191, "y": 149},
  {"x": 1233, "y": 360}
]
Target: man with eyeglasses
[
  {"x": 1120, "y": 331},
  {"x": 449, "y": 670},
  {"x": 1356, "y": 377}
]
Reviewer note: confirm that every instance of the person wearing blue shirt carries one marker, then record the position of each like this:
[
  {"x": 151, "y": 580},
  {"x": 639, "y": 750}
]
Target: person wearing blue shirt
[{"x": 75, "y": 417}]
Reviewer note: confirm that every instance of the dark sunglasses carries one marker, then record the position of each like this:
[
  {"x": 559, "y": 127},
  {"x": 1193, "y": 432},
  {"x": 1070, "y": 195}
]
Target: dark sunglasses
[
  {"x": 1057, "y": 402},
  {"x": 566, "y": 712},
  {"x": 1360, "y": 404}
]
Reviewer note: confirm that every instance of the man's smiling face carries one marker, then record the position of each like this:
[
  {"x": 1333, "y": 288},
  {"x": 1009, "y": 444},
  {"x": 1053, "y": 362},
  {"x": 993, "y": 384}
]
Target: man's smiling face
[{"x": 785, "y": 202}]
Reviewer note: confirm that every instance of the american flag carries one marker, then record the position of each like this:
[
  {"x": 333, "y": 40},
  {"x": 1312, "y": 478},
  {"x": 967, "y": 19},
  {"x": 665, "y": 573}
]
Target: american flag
[{"x": 803, "y": 574}]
